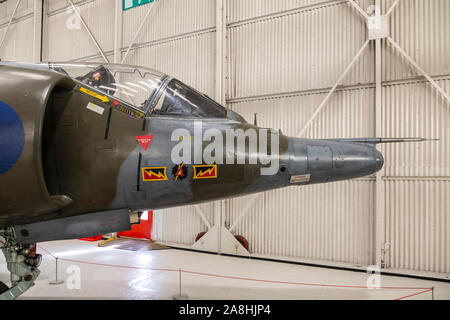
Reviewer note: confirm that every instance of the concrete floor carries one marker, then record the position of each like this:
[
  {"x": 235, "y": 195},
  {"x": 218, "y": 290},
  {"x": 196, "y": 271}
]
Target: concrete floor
[{"x": 100, "y": 280}]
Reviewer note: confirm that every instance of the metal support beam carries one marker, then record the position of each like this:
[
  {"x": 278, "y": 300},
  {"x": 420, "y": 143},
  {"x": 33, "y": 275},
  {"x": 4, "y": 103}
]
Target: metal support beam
[
  {"x": 221, "y": 34},
  {"x": 88, "y": 31},
  {"x": 202, "y": 215},
  {"x": 155, "y": 3},
  {"x": 379, "y": 196},
  {"x": 316, "y": 113},
  {"x": 118, "y": 31},
  {"x": 360, "y": 10},
  {"x": 245, "y": 211},
  {"x": 392, "y": 7},
  {"x": 419, "y": 69},
  {"x": 221, "y": 60},
  {"x": 320, "y": 107},
  {"x": 37, "y": 30},
  {"x": 379, "y": 183},
  {"x": 9, "y": 24}
]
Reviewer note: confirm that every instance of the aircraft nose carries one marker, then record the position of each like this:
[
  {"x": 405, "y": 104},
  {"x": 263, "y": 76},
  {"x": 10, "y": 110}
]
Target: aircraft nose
[
  {"x": 379, "y": 160},
  {"x": 352, "y": 160},
  {"x": 326, "y": 161}
]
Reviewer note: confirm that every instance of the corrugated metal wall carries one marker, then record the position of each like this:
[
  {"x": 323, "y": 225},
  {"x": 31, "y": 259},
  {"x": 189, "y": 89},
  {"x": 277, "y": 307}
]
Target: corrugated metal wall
[
  {"x": 280, "y": 65},
  {"x": 309, "y": 222},
  {"x": 186, "y": 50},
  {"x": 190, "y": 42},
  {"x": 19, "y": 39},
  {"x": 73, "y": 41},
  {"x": 417, "y": 178},
  {"x": 283, "y": 57},
  {"x": 417, "y": 208},
  {"x": 307, "y": 49}
]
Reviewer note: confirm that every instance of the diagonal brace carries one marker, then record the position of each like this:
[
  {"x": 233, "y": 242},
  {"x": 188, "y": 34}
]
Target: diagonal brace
[
  {"x": 139, "y": 31},
  {"x": 9, "y": 23},
  {"x": 256, "y": 197},
  {"x": 357, "y": 7},
  {"x": 202, "y": 215},
  {"x": 319, "y": 109},
  {"x": 89, "y": 31},
  {"x": 419, "y": 69}
]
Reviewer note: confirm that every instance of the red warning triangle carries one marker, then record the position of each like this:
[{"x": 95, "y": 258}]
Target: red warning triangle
[{"x": 145, "y": 141}]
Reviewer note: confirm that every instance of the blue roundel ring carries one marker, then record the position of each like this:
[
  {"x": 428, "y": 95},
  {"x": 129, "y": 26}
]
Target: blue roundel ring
[{"x": 12, "y": 137}]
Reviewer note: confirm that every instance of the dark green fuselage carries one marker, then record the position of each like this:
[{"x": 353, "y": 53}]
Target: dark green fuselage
[{"x": 96, "y": 162}]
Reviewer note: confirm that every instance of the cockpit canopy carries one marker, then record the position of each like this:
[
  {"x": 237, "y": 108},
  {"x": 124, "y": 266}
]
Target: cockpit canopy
[
  {"x": 180, "y": 99},
  {"x": 131, "y": 85},
  {"x": 147, "y": 90}
]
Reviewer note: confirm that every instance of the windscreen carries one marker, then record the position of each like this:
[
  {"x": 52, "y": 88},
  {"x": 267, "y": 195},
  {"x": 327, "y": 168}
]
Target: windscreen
[
  {"x": 132, "y": 85},
  {"x": 182, "y": 100}
]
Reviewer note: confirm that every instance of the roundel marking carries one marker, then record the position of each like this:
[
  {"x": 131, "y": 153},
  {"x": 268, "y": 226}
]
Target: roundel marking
[{"x": 12, "y": 137}]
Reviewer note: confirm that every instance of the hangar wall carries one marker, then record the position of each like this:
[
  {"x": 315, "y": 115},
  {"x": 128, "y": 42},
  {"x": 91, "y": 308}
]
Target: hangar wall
[
  {"x": 282, "y": 58},
  {"x": 17, "y": 43}
]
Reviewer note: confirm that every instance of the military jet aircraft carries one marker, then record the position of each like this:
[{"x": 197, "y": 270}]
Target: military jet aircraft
[{"x": 85, "y": 148}]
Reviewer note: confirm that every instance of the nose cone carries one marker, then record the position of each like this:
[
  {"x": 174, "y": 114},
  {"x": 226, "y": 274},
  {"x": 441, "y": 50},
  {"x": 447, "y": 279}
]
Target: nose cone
[
  {"x": 327, "y": 161},
  {"x": 379, "y": 159}
]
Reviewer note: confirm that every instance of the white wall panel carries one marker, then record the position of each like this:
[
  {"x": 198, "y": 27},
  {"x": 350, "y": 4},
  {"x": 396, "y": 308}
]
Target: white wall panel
[
  {"x": 301, "y": 51},
  {"x": 418, "y": 178},
  {"x": 190, "y": 59},
  {"x": 421, "y": 28},
  {"x": 169, "y": 18},
  {"x": 19, "y": 40},
  {"x": 54, "y": 6},
  {"x": 7, "y": 9},
  {"x": 63, "y": 42},
  {"x": 241, "y": 10},
  {"x": 348, "y": 113},
  {"x": 417, "y": 110},
  {"x": 182, "y": 225},
  {"x": 281, "y": 57},
  {"x": 412, "y": 109},
  {"x": 330, "y": 222},
  {"x": 418, "y": 224},
  {"x": 18, "y": 44}
]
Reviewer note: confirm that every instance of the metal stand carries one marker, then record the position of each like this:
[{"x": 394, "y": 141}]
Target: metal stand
[
  {"x": 56, "y": 281},
  {"x": 180, "y": 296}
]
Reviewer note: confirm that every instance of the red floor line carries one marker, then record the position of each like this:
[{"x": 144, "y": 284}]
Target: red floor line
[
  {"x": 46, "y": 251},
  {"x": 246, "y": 279},
  {"x": 119, "y": 266},
  {"x": 300, "y": 283},
  {"x": 414, "y": 294}
]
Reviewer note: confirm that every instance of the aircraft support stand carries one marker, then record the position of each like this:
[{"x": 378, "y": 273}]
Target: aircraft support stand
[
  {"x": 22, "y": 262},
  {"x": 180, "y": 296},
  {"x": 56, "y": 281}
]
